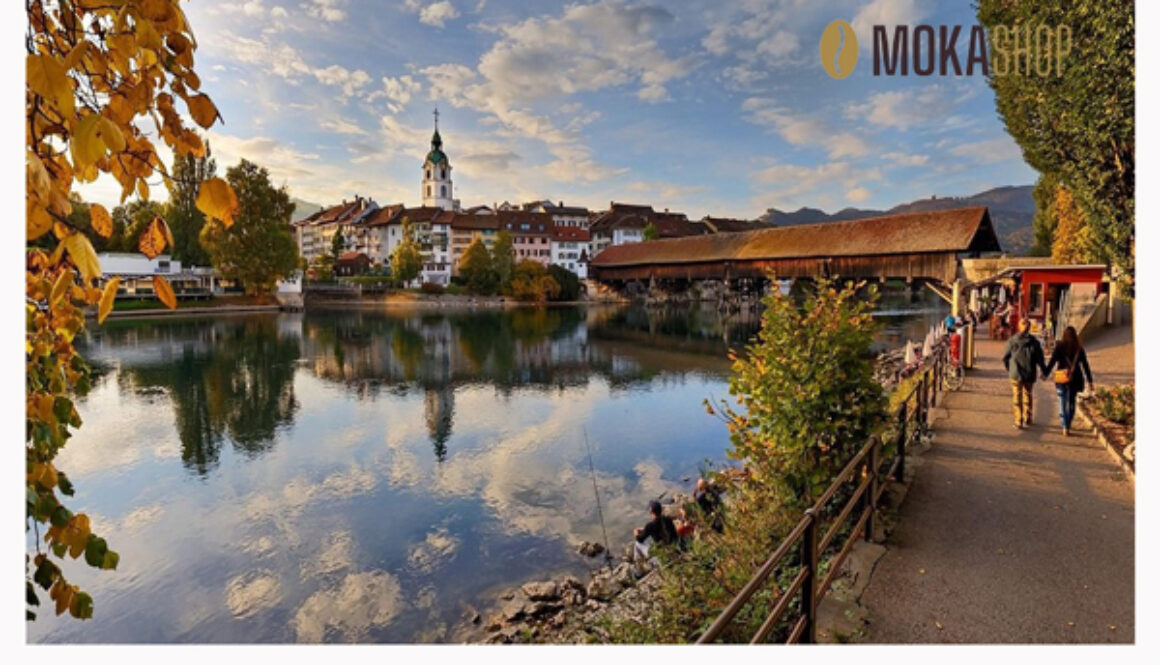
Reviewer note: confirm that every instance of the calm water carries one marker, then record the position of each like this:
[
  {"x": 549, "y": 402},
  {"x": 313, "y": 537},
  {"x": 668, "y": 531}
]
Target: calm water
[{"x": 363, "y": 476}]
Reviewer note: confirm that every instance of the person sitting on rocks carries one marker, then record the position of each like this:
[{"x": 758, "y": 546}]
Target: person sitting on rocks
[
  {"x": 685, "y": 526},
  {"x": 660, "y": 529},
  {"x": 709, "y": 503}
]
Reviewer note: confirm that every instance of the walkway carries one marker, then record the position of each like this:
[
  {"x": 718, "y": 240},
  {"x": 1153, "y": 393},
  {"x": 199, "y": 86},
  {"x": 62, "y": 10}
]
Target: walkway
[{"x": 1008, "y": 536}]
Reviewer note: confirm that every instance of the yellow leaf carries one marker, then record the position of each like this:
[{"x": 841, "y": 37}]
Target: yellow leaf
[
  {"x": 217, "y": 199},
  {"x": 37, "y": 220},
  {"x": 107, "y": 297},
  {"x": 111, "y": 134},
  {"x": 143, "y": 189},
  {"x": 202, "y": 108},
  {"x": 164, "y": 292},
  {"x": 100, "y": 220},
  {"x": 153, "y": 238},
  {"x": 83, "y": 257},
  {"x": 48, "y": 78},
  {"x": 37, "y": 177},
  {"x": 87, "y": 145},
  {"x": 60, "y": 287}
]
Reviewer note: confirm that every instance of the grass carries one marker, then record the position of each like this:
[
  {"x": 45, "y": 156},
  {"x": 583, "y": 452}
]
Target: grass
[{"x": 150, "y": 304}]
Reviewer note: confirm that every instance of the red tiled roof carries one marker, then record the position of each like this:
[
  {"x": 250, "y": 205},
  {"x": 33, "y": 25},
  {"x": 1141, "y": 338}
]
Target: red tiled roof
[
  {"x": 350, "y": 257},
  {"x": 571, "y": 233}
]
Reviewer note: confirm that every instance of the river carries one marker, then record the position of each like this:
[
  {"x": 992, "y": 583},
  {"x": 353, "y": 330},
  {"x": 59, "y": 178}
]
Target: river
[{"x": 366, "y": 475}]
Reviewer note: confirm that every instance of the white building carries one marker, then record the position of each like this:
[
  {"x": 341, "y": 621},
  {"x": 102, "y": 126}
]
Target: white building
[
  {"x": 571, "y": 249},
  {"x": 136, "y": 272},
  {"x": 437, "y": 189}
]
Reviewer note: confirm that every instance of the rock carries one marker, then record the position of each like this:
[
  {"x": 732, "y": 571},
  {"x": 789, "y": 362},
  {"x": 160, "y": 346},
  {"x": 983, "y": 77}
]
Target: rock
[
  {"x": 559, "y": 620},
  {"x": 515, "y": 609},
  {"x": 601, "y": 588},
  {"x": 543, "y": 609},
  {"x": 507, "y": 595},
  {"x": 590, "y": 549},
  {"x": 476, "y": 618},
  {"x": 592, "y": 604},
  {"x": 541, "y": 590},
  {"x": 495, "y": 624},
  {"x": 570, "y": 582}
]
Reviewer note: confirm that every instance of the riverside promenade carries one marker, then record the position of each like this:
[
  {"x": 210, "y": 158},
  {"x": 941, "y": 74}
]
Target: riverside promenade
[{"x": 1007, "y": 535}]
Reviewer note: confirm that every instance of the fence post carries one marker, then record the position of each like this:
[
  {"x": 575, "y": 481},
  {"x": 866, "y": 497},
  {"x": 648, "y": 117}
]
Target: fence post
[
  {"x": 810, "y": 586},
  {"x": 872, "y": 491},
  {"x": 900, "y": 474}
]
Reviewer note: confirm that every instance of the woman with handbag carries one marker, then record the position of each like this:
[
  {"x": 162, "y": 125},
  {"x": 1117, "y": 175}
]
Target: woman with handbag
[{"x": 1070, "y": 365}]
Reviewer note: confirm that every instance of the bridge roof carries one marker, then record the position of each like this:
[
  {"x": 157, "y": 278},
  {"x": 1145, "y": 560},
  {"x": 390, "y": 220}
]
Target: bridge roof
[{"x": 937, "y": 231}]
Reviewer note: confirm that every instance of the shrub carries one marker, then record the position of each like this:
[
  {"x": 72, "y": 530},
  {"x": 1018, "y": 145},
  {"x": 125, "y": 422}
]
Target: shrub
[
  {"x": 1117, "y": 404},
  {"x": 569, "y": 283},
  {"x": 431, "y": 288},
  {"x": 805, "y": 401}
]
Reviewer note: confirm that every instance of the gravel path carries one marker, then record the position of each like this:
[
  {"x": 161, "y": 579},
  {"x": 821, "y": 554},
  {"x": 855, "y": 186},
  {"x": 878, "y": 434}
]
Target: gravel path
[{"x": 1010, "y": 536}]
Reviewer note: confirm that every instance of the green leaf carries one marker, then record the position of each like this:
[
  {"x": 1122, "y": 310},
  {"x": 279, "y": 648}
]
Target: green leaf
[
  {"x": 81, "y": 606},
  {"x": 30, "y": 596},
  {"x": 59, "y": 549},
  {"x": 45, "y": 573},
  {"x": 95, "y": 551},
  {"x": 61, "y": 516},
  {"x": 64, "y": 484},
  {"x": 110, "y": 561}
]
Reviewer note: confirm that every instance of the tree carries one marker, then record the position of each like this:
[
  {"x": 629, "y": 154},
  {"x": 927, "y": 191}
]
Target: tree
[
  {"x": 503, "y": 258},
  {"x": 95, "y": 74},
  {"x": 406, "y": 260},
  {"x": 476, "y": 269},
  {"x": 1075, "y": 241},
  {"x": 130, "y": 221},
  {"x": 569, "y": 283},
  {"x": 651, "y": 232},
  {"x": 532, "y": 283},
  {"x": 337, "y": 243},
  {"x": 1043, "y": 224},
  {"x": 259, "y": 248},
  {"x": 1079, "y": 126},
  {"x": 186, "y": 221}
]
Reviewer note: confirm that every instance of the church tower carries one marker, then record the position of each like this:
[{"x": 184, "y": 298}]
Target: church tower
[{"x": 437, "y": 190}]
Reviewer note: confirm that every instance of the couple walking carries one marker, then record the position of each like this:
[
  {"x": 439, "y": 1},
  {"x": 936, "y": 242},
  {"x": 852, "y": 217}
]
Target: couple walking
[{"x": 1024, "y": 356}]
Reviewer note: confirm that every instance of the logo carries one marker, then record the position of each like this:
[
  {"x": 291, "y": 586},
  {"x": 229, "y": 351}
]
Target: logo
[{"x": 839, "y": 49}]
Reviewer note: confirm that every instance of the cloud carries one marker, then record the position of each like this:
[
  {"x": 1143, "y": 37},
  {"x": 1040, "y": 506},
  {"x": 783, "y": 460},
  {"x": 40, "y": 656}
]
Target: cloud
[
  {"x": 857, "y": 195},
  {"x": 788, "y": 185},
  {"x": 905, "y": 159},
  {"x": 284, "y": 61},
  {"x": 990, "y": 151},
  {"x": 397, "y": 91},
  {"x": 904, "y": 109},
  {"x": 887, "y": 13},
  {"x": 342, "y": 126},
  {"x": 327, "y": 10},
  {"x": 802, "y": 129},
  {"x": 437, "y": 13},
  {"x": 361, "y": 602},
  {"x": 252, "y": 592}
]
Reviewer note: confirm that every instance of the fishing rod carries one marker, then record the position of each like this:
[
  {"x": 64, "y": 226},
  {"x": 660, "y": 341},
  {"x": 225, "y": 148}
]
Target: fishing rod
[{"x": 599, "y": 509}]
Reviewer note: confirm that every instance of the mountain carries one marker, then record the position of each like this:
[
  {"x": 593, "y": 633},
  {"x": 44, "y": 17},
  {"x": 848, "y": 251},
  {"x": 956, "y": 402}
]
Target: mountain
[
  {"x": 303, "y": 209},
  {"x": 1011, "y": 211}
]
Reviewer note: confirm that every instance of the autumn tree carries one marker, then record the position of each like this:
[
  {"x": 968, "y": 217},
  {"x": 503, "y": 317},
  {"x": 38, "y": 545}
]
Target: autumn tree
[
  {"x": 531, "y": 282},
  {"x": 406, "y": 260},
  {"x": 476, "y": 269},
  {"x": 184, "y": 218},
  {"x": 1075, "y": 241},
  {"x": 503, "y": 258},
  {"x": 1079, "y": 125},
  {"x": 258, "y": 249},
  {"x": 1043, "y": 223},
  {"x": 337, "y": 244},
  {"x": 99, "y": 75},
  {"x": 130, "y": 220}
]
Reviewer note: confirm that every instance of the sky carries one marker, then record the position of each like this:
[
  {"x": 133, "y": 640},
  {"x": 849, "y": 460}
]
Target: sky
[{"x": 706, "y": 108}]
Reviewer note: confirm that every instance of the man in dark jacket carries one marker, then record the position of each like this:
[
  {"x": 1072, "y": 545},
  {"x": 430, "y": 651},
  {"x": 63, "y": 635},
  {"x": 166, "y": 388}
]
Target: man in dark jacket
[{"x": 1024, "y": 362}]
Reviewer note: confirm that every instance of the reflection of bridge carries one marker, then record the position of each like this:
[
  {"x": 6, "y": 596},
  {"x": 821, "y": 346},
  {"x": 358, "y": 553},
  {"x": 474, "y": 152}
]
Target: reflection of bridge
[{"x": 922, "y": 246}]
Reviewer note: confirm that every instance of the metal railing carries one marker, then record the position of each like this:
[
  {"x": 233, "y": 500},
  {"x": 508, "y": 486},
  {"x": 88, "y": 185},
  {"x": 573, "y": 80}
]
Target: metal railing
[{"x": 815, "y": 538}]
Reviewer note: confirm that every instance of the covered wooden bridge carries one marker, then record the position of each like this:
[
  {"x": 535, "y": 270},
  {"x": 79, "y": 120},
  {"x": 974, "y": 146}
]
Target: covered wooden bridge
[{"x": 924, "y": 246}]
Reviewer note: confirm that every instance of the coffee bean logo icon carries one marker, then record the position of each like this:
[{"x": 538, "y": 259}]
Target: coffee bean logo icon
[{"x": 839, "y": 49}]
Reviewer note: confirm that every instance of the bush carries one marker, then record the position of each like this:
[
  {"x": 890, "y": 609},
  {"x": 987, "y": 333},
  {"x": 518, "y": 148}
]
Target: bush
[
  {"x": 569, "y": 283},
  {"x": 431, "y": 288},
  {"x": 1117, "y": 404},
  {"x": 531, "y": 282},
  {"x": 805, "y": 401}
]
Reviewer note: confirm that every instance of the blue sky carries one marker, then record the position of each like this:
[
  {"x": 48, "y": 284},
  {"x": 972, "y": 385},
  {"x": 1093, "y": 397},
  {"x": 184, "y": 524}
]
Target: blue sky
[{"x": 708, "y": 108}]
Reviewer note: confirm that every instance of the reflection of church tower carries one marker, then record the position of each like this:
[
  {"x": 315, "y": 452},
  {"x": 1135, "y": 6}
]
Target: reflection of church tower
[
  {"x": 437, "y": 191},
  {"x": 439, "y": 408}
]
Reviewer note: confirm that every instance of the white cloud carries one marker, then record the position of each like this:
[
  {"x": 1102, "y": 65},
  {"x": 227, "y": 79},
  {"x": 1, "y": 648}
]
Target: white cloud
[
  {"x": 284, "y": 61},
  {"x": 905, "y": 159},
  {"x": 802, "y": 129},
  {"x": 789, "y": 185},
  {"x": 930, "y": 105},
  {"x": 857, "y": 195},
  {"x": 362, "y": 601},
  {"x": 397, "y": 91},
  {"x": 436, "y": 14},
  {"x": 342, "y": 126},
  {"x": 887, "y": 13},
  {"x": 327, "y": 10},
  {"x": 990, "y": 151}
]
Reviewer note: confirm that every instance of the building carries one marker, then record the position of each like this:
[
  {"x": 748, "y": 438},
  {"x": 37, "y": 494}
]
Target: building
[
  {"x": 568, "y": 216},
  {"x": 624, "y": 223},
  {"x": 531, "y": 234},
  {"x": 571, "y": 249},
  {"x": 315, "y": 233},
  {"x": 437, "y": 189},
  {"x": 350, "y": 264},
  {"x": 136, "y": 272},
  {"x": 466, "y": 228}
]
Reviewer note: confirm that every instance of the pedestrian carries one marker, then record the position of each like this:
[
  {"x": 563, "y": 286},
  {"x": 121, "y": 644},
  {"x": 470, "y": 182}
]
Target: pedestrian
[
  {"x": 1023, "y": 359},
  {"x": 709, "y": 502},
  {"x": 1072, "y": 363},
  {"x": 659, "y": 529}
]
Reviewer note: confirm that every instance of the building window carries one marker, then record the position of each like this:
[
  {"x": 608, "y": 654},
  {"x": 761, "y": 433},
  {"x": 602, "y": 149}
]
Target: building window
[
  {"x": 428, "y": 174},
  {"x": 428, "y": 191},
  {"x": 1035, "y": 304},
  {"x": 442, "y": 174},
  {"x": 443, "y": 191}
]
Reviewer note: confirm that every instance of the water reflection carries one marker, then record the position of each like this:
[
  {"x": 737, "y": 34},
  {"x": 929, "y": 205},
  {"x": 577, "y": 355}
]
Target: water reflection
[
  {"x": 227, "y": 380},
  {"x": 359, "y": 476}
]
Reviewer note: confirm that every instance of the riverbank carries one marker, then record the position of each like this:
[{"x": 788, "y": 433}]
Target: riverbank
[
  {"x": 132, "y": 309},
  {"x": 444, "y": 301}
]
